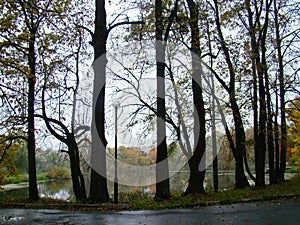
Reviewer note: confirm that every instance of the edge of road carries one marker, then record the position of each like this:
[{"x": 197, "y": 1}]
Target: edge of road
[{"x": 120, "y": 207}]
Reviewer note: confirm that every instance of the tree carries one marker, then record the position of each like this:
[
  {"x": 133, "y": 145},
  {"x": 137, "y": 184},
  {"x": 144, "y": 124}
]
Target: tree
[
  {"x": 98, "y": 187},
  {"x": 32, "y": 27},
  {"x": 162, "y": 168},
  {"x": 27, "y": 43},
  {"x": 197, "y": 161},
  {"x": 240, "y": 178},
  {"x": 258, "y": 36},
  {"x": 57, "y": 127},
  {"x": 23, "y": 40},
  {"x": 176, "y": 110},
  {"x": 283, "y": 129},
  {"x": 285, "y": 57}
]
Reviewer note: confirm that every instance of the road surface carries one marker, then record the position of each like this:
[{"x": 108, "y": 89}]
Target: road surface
[{"x": 282, "y": 212}]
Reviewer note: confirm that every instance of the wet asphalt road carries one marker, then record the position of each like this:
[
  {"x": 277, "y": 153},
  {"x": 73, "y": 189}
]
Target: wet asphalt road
[{"x": 283, "y": 212}]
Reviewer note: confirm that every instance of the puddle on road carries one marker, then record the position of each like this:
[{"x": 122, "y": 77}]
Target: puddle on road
[{"x": 11, "y": 218}]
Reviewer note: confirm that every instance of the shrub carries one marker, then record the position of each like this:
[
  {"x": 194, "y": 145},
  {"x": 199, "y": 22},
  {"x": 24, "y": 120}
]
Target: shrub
[{"x": 58, "y": 173}]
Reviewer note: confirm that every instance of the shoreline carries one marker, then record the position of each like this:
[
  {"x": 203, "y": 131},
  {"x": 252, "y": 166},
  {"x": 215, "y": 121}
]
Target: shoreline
[{"x": 9, "y": 187}]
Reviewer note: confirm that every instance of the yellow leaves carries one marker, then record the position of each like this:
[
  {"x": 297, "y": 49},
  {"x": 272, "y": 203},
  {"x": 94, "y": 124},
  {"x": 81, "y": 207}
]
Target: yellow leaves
[
  {"x": 7, "y": 160},
  {"x": 23, "y": 36},
  {"x": 294, "y": 130},
  {"x": 60, "y": 10}
]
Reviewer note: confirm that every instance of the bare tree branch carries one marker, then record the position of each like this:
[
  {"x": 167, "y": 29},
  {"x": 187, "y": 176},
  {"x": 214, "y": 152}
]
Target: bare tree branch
[{"x": 124, "y": 23}]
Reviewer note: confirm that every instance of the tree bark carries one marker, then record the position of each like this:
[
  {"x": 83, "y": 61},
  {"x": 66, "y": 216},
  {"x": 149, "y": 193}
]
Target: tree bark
[
  {"x": 76, "y": 174},
  {"x": 197, "y": 161},
  {"x": 283, "y": 127},
  {"x": 260, "y": 153},
  {"x": 276, "y": 139},
  {"x": 253, "y": 55},
  {"x": 241, "y": 180},
  {"x": 33, "y": 191},
  {"x": 270, "y": 133},
  {"x": 270, "y": 136},
  {"x": 213, "y": 115},
  {"x": 98, "y": 187},
  {"x": 162, "y": 166}
]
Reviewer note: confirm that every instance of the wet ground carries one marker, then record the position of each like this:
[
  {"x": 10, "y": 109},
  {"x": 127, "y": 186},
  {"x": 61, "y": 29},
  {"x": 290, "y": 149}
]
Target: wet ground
[{"x": 282, "y": 212}]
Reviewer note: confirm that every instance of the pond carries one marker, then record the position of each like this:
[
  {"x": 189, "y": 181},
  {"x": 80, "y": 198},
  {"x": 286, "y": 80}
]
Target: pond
[
  {"x": 56, "y": 189},
  {"x": 62, "y": 189}
]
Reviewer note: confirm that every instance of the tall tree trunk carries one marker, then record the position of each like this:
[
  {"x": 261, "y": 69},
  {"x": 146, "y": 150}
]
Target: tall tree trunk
[
  {"x": 81, "y": 196},
  {"x": 267, "y": 106},
  {"x": 33, "y": 191},
  {"x": 260, "y": 153},
  {"x": 197, "y": 161},
  {"x": 98, "y": 187},
  {"x": 241, "y": 180},
  {"x": 213, "y": 117},
  {"x": 283, "y": 128},
  {"x": 259, "y": 67},
  {"x": 254, "y": 52},
  {"x": 32, "y": 27},
  {"x": 270, "y": 134},
  {"x": 162, "y": 166},
  {"x": 276, "y": 138}
]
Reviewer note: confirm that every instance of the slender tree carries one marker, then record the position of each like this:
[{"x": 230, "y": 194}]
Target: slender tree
[
  {"x": 213, "y": 114},
  {"x": 161, "y": 37},
  {"x": 68, "y": 138},
  {"x": 283, "y": 125},
  {"x": 258, "y": 35},
  {"x": 33, "y": 29},
  {"x": 65, "y": 131},
  {"x": 162, "y": 167},
  {"x": 197, "y": 161},
  {"x": 240, "y": 178},
  {"x": 276, "y": 136},
  {"x": 27, "y": 14}
]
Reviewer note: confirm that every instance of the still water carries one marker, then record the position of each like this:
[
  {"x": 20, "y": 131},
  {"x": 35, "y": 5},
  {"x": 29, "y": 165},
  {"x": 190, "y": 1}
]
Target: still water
[
  {"x": 62, "y": 189},
  {"x": 57, "y": 189}
]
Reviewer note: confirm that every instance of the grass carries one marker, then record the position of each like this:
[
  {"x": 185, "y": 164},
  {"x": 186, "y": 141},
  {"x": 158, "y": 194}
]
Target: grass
[
  {"x": 292, "y": 169},
  {"x": 23, "y": 178},
  {"x": 290, "y": 187},
  {"x": 142, "y": 201}
]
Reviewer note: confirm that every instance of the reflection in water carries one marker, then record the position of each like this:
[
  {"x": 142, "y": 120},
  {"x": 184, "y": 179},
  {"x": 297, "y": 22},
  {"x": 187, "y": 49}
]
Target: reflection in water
[
  {"x": 58, "y": 189},
  {"x": 62, "y": 189},
  {"x": 15, "y": 193}
]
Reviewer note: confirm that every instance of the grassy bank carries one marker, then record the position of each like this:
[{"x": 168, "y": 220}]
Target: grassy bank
[
  {"x": 20, "y": 178},
  {"x": 286, "y": 189},
  {"x": 141, "y": 201},
  {"x": 53, "y": 173}
]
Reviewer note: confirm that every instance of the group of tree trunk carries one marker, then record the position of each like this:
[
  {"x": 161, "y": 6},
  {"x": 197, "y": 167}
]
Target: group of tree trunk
[
  {"x": 264, "y": 134},
  {"x": 260, "y": 22}
]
